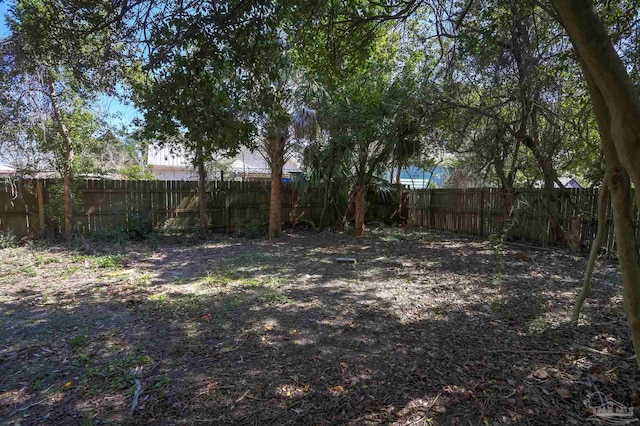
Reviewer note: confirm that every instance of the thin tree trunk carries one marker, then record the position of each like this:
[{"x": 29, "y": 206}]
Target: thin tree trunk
[
  {"x": 275, "y": 204},
  {"x": 401, "y": 218},
  {"x": 325, "y": 201},
  {"x": 361, "y": 205},
  {"x": 618, "y": 184},
  {"x": 595, "y": 249},
  {"x": 68, "y": 157},
  {"x": 202, "y": 196}
]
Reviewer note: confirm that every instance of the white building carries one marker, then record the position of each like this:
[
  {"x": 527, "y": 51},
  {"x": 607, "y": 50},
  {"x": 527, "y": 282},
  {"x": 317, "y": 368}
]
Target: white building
[
  {"x": 175, "y": 164},
  {"x": 6, "y": 171}
]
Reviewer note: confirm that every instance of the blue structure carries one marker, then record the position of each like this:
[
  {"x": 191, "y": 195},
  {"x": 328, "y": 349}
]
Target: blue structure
[{"x": 418, "y": 178}]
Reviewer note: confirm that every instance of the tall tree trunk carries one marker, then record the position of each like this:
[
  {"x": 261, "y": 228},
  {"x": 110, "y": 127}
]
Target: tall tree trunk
[
  {"x": 625, "y": 239},
  {"x": 275, "y": 152},
  {"x": 202, "y": 195},
  {"x": 595, "y": 249},
  {"x": 275, "y": 204},
  {"x": 68, "y": 156},
  {"x": 617, "y": 110},
  {"x": 360, "y": 198}
]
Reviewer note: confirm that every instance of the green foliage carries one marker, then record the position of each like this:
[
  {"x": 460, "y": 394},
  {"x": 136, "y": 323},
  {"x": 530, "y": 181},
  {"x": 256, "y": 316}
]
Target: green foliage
[
  {"x": 77, "y": 342},
  {"x": 191, "y": 94},
  {"x": 374, "y": 117},
  {"x": 254, "y": 228},
  {"x": 106, "y": 235},
  {"x": 109, "y": 261},
  {"x": 136, "y": 172},
  {"x": 139, "y": 228},
  {"x": 55, "y": 208},
  {"x": 7, "y": 240}
]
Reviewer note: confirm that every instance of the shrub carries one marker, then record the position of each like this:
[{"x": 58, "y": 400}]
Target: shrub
[
  {"x": 110, "y": 235},
  {"x": 7, "y": 240},
  {"x": 252, "y": 229},
  {"x": 139, "y": 228}
]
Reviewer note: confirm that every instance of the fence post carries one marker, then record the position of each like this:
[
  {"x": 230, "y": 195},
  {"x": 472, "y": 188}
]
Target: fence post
[
  {"x": 227, "y": 204},
  {"x": 481, "y": 227},
  {"x": 40, "y": 195},
  {"x": 432, "y": 219}
]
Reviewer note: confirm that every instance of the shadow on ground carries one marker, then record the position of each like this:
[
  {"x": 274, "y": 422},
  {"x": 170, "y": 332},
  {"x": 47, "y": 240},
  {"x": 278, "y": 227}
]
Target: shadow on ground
[{"x": 259, "y": 332}]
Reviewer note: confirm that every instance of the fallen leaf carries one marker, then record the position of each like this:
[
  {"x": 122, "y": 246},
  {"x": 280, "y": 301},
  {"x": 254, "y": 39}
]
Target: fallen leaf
[
  {"x": 635, "y": 398},
  {"x": 268, "y": 327},
  {"x": 563, "y": 393},
  {"x": 336, "y": 390},
  {"x": 541, "y": 374},
  {"x": 421, "y": 373}
]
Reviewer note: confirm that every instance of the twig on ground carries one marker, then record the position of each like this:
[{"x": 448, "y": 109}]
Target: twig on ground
[
  {"x": 27, "y": 407},
  {"x": 134, "y": 404},
  {"x": 595, "y": 351},
  {"x": 521, "y": 351}
]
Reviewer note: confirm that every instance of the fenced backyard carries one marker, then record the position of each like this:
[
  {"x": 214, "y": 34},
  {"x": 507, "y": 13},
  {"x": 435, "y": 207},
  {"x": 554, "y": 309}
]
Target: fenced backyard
[
  {"x": 173, "y": 206},
  {"x": 422, "y": 325}
]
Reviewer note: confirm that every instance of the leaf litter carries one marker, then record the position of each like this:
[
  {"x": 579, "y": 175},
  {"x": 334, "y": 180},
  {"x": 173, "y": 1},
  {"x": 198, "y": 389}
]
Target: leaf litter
[{"x": 434, "y": 329}]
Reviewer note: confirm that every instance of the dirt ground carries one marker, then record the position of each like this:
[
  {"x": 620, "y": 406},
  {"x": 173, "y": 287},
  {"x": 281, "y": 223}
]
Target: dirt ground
[{"x": 422, "y": 329}]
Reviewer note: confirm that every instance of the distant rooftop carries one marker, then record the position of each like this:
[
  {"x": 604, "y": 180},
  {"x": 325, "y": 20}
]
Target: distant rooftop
[
  {"x": 246, "y": 162},
  {"x": 6, "y": 170}
]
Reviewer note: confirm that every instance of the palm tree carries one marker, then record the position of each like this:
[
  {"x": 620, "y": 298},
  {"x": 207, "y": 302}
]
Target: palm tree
[{"x": 287, "y": 123}]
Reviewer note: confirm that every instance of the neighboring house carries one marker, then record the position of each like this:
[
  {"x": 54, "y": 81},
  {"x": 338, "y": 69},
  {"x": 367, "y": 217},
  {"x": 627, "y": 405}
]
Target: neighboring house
[
  {"x": 175, "y": 164},
  {"x": 418, "y": 178},
  {"x": 568, "y": 182},
  {"x": 249, "y": 165},
  {"x": 170, "y": 164},
  {"x": 6, "y": 171}
]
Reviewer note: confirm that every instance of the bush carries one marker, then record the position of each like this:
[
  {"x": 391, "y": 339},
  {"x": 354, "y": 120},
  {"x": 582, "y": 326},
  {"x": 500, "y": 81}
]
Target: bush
[
  {"x": 252, "y": 229},
  {"x": 7, "y": 240},
  {"x": 110, "y": 235},
  {"x": 55, "y": 208},
  {"x": 139, "y": 228}
]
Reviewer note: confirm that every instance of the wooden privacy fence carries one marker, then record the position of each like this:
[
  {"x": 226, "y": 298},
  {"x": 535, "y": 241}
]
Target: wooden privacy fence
[
  {"x": 167, "y": 205},
  {"x": 487, "y": 211},
  {"x": 173, "y": 205}
]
